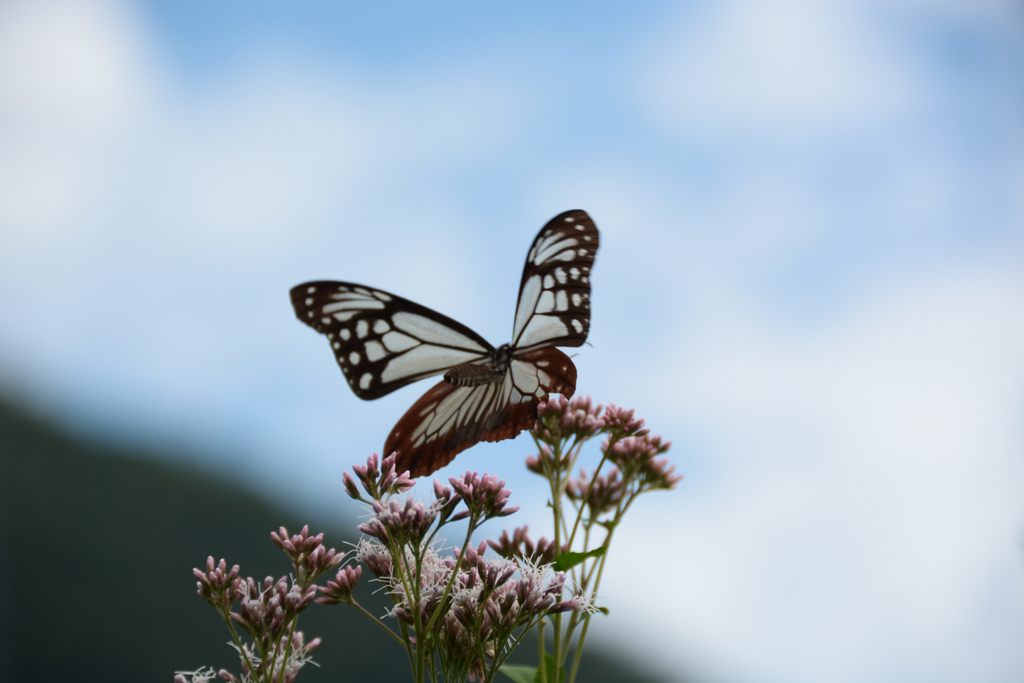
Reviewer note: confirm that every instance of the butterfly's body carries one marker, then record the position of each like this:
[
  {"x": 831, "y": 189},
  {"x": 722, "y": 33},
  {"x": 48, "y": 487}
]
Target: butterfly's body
[
  {"x": 486, "y": 372},
  {"x": 383, "y": 342}
]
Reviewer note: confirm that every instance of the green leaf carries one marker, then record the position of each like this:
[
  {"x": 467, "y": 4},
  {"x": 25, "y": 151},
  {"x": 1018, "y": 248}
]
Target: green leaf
[
  {"x": 528, "y": 674},
  {"x": 569, "y": 559},
  {"x": 519, "y": 673}
]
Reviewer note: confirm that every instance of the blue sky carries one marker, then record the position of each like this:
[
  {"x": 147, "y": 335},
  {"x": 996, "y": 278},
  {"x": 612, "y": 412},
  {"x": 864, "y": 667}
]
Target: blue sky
[{"x": 810, "y": 280}]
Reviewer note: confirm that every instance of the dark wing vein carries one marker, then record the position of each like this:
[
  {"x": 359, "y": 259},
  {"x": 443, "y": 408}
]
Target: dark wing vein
[
  {"x": 382, "y": 341},
  {"x": 554, "y": 295},
  {"x": 449, "y": 419}
]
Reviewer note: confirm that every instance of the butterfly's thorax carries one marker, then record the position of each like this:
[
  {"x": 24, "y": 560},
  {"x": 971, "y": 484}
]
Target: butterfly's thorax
[{"x": 492, "y": 369}]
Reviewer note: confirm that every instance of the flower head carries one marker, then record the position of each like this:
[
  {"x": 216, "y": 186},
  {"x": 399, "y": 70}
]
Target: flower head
[
  {"x": 600, "y": 494},
  {"x": 559, "y": 418},
  {"x": 485, "y": 496},
  {"x": 308, "y": 554},
  {"x": 216, "y": 583},
  {"x": 622, "y": 421},
  {"x": 636, "y": 457},
  {"x": 339, "y": 589},
  {"x": 265, "y": 607},
  {"x": 520, "y": 546},
  {"x": 406, "y": 522},
  {"x": 378, "y": 482},
  {"x": 375, "y": 556}
]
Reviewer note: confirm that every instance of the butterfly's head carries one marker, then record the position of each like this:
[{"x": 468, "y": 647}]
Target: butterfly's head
[{"x": 501, "y": 356}]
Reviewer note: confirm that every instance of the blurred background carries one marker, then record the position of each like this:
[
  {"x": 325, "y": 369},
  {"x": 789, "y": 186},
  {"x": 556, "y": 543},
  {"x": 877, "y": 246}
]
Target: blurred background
[{"x": 811, "y": 280}]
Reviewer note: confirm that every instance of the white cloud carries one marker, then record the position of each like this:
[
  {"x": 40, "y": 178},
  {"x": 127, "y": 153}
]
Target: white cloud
[
  {"x": 859, "y": 501},
  {"x": 793, "y": 68}
]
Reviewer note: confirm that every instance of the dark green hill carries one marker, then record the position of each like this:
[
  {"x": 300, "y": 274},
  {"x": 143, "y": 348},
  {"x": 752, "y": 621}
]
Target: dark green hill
[{"x": 96, "y": 549}]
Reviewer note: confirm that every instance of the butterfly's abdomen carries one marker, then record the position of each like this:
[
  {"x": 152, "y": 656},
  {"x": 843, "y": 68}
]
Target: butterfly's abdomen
[{"x": 473, "y": 374}]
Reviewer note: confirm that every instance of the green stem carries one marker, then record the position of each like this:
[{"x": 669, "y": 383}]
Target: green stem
[
  {"x": 623, "y": 507},
  {"x": 287, "y": 650},
  {"x": 400, "y": 568},
  {"x": 380, "y": 624},
  {"x": 470, "y": 528},
  {"x": 586, "y": 496},
  {"x": 542, "y": 653},
  {"x": 225, "y": 614}
]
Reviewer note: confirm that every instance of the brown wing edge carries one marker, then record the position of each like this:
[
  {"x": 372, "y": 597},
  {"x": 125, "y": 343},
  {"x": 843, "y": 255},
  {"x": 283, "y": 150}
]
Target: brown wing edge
[{"x": 507, "y": 423}]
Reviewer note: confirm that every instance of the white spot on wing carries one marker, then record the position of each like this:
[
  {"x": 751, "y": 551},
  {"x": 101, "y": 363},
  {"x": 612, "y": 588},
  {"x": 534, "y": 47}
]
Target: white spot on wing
[
  {"x": 374, "y": 351},
  {"x": 381, "y": 326},
  {"x": 397, "y": 342},
  {"x": 541, "y": 329},
  {"x": 562, "y": 300},
  {"x": 353, "y": 304},
  {"x": 353, "y": 358},
  {"x": 546, "y": 303},
  {"x": 550, "y": 251},
  {"x": 362, "y": 327},
  {"x": 364, "y": 381},
  {"x": 524, "y": 376},
  {"x": 527, "y": 302}
]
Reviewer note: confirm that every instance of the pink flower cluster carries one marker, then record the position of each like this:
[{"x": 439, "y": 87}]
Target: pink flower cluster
[
  {"x": 485, "y": 496},
  {"x": 490, "y": 603},
  {"x": 397, "y": 522},
  {"x": 520, "y": 545},
  {"x": 267, "y": 610},
  {"x": 309, "y": 555},
  {"x": 377, "y": 481},
  {"x": 637, "y": 458},
  {"x": 339, "y": 589},
  {"x": 631, "y": 451}
]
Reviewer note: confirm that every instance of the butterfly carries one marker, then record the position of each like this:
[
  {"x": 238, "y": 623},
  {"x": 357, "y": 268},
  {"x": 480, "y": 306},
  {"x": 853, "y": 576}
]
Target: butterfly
[{"x": 383, "y": 342}]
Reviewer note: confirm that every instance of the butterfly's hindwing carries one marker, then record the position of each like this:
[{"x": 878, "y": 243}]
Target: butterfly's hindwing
[
  {"x": 450, "y": 418},
  {"x": 382, "y": 341},
  {"x": 554, "y": 294}
]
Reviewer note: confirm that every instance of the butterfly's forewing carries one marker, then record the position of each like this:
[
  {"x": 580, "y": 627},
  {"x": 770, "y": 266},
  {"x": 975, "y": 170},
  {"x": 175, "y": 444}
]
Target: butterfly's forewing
[
  {"x": 554, "y": 294},
  {"x": 449, "y": 419},
  {"x": 382, "y": 341}
]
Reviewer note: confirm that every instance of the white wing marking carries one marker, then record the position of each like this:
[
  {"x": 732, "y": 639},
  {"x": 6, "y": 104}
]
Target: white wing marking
[
  {"x": 425, "y": 358},
  {"x": 396, "y": 342},
  {"x": 430, "y": 332}
]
